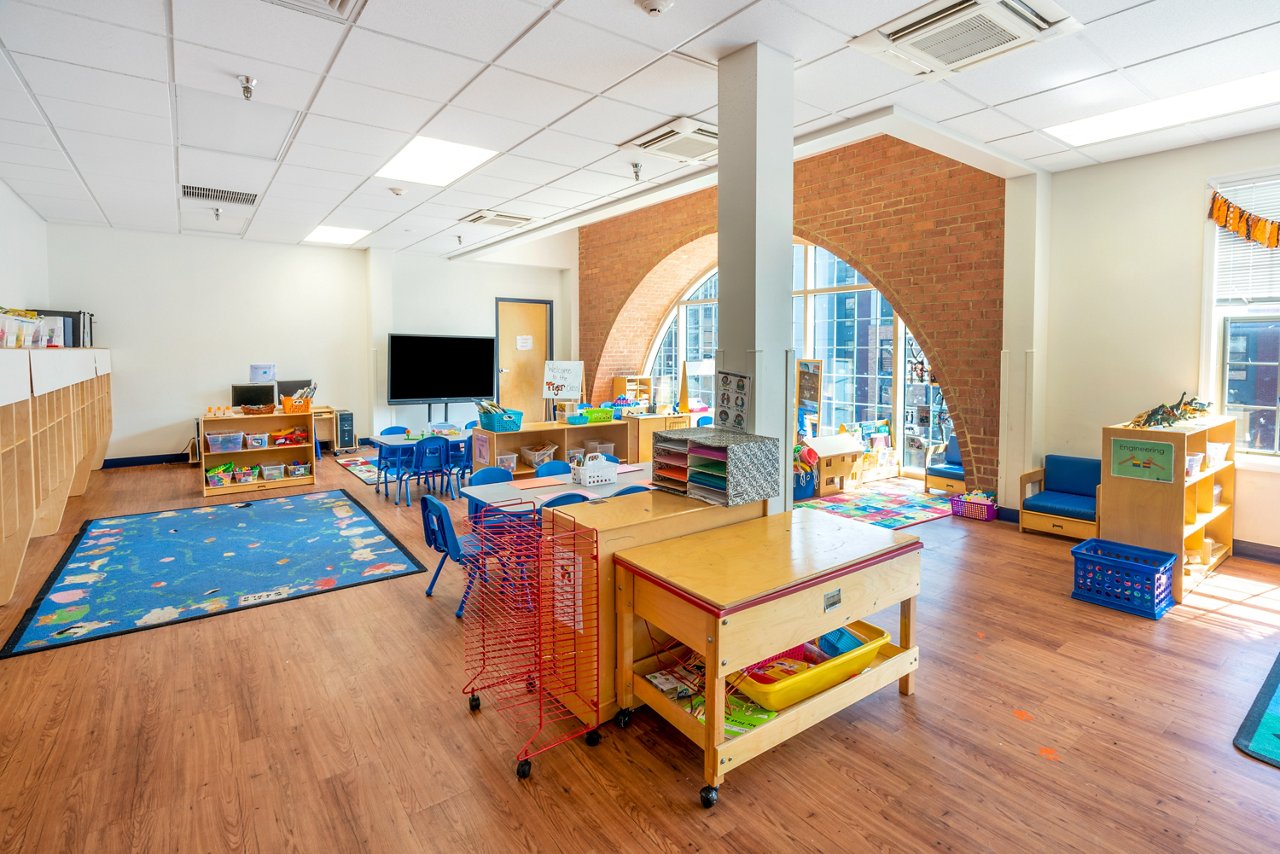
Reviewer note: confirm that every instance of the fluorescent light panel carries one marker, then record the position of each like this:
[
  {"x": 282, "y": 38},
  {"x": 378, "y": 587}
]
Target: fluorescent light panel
[
  {"x": 1224, "y": 99},
  {"x": 434, "y": 161},
  {"x": 334, "y": 234}
]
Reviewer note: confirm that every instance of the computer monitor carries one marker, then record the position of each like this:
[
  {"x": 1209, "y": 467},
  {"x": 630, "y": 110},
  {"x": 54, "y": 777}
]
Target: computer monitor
[
  {"x": 253, "y": 394},
  {"x": 288, "y": 388}
]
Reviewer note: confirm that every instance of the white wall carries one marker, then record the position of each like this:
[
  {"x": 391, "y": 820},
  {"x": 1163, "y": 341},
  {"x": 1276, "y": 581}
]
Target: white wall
[
  {"x": 1127, "y": 279},
  {"x": 433, "y": 296},
  {"x": 184, "y": 317},
  {"x": 24, "y": 281}
]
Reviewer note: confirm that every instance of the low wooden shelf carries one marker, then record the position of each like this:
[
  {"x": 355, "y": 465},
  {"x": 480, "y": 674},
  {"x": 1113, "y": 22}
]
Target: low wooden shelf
[
  {"x": 487, "y": 446},
  {"x": 270, "y": 456}
]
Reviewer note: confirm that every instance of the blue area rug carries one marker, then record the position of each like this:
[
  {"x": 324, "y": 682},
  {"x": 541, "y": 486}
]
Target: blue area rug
[
  {"x": 129, "y": 573},
  {"x": 1259, "y": 735}
]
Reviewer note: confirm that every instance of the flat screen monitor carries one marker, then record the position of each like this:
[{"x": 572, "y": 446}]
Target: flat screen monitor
[
  {"x": 288, "y": 388},
  {"x": 440, "y": 368},
  {"x": 253, "y": 394}
]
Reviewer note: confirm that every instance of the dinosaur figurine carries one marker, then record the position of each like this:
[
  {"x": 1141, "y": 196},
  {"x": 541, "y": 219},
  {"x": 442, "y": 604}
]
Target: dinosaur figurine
[{"x": 1164, "y": 415}]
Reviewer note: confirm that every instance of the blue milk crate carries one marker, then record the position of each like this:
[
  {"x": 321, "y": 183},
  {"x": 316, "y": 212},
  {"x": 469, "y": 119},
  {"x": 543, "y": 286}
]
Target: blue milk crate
[
  {"x": 501, "y": 422},
  {"x": 1126, "y": 578}
]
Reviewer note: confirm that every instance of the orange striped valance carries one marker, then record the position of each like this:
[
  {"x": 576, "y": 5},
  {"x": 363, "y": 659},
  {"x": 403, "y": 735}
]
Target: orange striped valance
[{"x": 1236, "y": 219}]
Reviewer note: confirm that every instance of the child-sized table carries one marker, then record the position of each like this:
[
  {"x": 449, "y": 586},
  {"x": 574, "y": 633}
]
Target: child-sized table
[{"x": 739, "y": 594}]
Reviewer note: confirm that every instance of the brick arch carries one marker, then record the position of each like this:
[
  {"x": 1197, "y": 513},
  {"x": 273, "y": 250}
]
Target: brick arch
[{"x": 927, "y": 231}]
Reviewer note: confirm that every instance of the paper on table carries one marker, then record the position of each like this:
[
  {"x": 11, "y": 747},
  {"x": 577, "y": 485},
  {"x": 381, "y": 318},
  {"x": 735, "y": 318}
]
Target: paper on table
[
  {"x": 535, "y": 482},
  {"x": 547, "y": 496},
  {"x": 624, "y": 468}
]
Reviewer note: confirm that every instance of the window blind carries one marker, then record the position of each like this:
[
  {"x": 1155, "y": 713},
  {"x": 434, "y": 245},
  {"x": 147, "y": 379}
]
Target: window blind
[{"x": 1246, "y": 272}]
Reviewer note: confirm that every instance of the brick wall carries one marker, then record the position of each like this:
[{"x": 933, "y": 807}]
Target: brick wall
[{"x": 926, "y": 231}]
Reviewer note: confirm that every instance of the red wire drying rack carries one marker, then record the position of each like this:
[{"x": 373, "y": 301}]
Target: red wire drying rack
[{"x": 531, "y": 630}]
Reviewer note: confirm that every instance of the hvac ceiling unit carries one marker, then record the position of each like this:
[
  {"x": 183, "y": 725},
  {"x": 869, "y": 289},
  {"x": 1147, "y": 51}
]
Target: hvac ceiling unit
[
  {"x": 498, "y": 219},
  {"x": 686, "y": 140},
  {"x": 334, "y": 10},
  {"x": 210, "y": 194},
  {"x": 946, "y": 36}
]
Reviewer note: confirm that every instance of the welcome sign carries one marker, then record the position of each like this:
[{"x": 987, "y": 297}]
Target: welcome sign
[{"x": 1142, "y": 460}]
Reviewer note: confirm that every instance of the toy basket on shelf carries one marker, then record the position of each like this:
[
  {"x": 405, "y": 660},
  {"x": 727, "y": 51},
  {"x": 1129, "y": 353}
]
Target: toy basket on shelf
[
  {"x": 501, "y": 422},
  {"x": 974, "y": 505},
  {"x": 1126, "y": 578},
  {"x": 597, "y": 414},
  {"x": 264, "y": 409},
  {"x": 594, "y": 471},
  {"x": 296, "y": 405}
]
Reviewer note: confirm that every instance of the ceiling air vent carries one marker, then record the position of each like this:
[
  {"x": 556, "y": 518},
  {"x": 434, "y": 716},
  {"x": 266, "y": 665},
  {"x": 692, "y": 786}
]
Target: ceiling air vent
[
  {"x": 501, "y": 220},
  {"x": 334, "y": 10},
  {"x": 946, "y": 36},
  {"x": 686, "y": 140},
  {"x": 230, "y": 197}
]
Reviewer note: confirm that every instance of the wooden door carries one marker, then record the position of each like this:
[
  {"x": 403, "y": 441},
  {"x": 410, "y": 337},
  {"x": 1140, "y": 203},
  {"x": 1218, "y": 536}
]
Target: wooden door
[{"x": 524, "y": 344}]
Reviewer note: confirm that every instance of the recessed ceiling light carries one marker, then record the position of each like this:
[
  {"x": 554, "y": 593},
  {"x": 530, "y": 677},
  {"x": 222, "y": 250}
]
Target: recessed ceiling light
[
  {"x": 434, "y": 161},
  {"x": 336, "y": 235},
  {"x": 1221, "y": 100}
]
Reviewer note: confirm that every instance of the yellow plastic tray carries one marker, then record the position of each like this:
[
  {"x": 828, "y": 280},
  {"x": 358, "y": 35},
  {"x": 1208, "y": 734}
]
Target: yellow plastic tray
[{"x": 776, "y": 696}]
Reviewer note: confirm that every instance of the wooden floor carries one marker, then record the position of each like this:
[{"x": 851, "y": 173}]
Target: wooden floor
[{"x": 335, "y": 723}]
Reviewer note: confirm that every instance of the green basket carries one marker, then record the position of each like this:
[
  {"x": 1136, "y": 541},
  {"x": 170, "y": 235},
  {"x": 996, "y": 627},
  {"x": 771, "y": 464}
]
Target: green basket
[{"x": 597, "y": 414}]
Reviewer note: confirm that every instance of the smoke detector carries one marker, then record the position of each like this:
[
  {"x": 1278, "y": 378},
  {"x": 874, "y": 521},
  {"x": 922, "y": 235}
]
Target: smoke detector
[
  {"x": 654, "y": 8},
  {"x": 946, "y": 36}
]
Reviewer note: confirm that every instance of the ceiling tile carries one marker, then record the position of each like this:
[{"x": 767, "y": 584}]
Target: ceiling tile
[
  {"x": 347, "y": 216},
  {"x": 1220, "y": 62},
  {"x": 392, "y": 236},
  {"x": 1250, "y": 121},
  {"x": 798, "y": 36},
  {"x": 322, "y": 178},
  {"x": 423, "y": 224},
  {"x": 355, "y": 102},
  {"x": 376, "y": 194},
  {"x": 387, "y": 63},
  {"x": 515, "y": 168},
  {"x": 203, "y": 168},
  {"x": 333, "y": 159},
  {"x": 261, "y": 30},
  {"x": 479, "y": 129},
  {"x": 477, "y": 28},
  {"x": 651, "y": 166},
  {"x": 1063, "y": 161},
  {"x": 1027, "y": 145},
  {"x": 57, "y": 209},
  {"x": 228, "y": 123},
  {"x": 139, "y": 14},
  {"x": 846, "y": 78},
  {"x": 491, "y": 186},
  {"x": 669, "y": 30},
  {"x": 1086, "y": 98},
  {"x": 930, "y": 99},
  {"x": 610, "y": 121},
  {"x": 216, "y": 71},
  {"x": 575, "y": 54},
  {"x": 23, "y": 187},
  {"x": 17, "y": 105},
  {"x": 48, "y": 158},
  {"x": 22, "y": 133},
  {"x": 632, "y": 189},
  {"x": 854, "y": 19},
  {"x": 274, "y": 203},
  {"x": 204, "y": 221},
  {"x": 1085, "y": 11},
  {"x": 465, "y": 200},
  {"x": 524, "y": 207},
  {"x": 1143, "y": 143},
  {"x": 1031, "y": 69},
  {"x": 93, "y": 86},
  {"x": 593, "y": 183},
  {"x": 1163, "y": 27},
  {"x": 53, "y": 35},
  {"x": 986, "y": 125},
  {"x": 512, "y": 95},
  {"x": 444, "y": 211},
  {"x": 74, "y": 115},
  {"x": 439, "y": 244},
  {"x": 59, "y": 177},
  {"x": 818, "y": 124},
  {"x": 109, "y": 155},
  {"x": 560, "y": 198},
  {"x": 349, "y": 136},
  {"x": 563, "y": 148},
  {"x": 672, "y": 86}
]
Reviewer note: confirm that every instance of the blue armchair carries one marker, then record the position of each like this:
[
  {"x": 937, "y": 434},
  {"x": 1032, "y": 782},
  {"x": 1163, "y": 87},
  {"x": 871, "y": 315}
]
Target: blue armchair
[
  {"x": 1066, "y": 502},
  {"x": 947, "y": 475}
]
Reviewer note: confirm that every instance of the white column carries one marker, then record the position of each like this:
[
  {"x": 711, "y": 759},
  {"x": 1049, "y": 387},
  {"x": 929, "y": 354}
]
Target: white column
[{"x": 755, "y": 226}]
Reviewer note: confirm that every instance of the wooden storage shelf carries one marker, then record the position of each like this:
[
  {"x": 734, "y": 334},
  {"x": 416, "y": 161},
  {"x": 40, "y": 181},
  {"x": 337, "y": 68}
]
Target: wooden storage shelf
[
  {"x": 1176, "y": 516},
  {"x": 487, "y": 446},
  {"x": 251, "y": 450},
  {"x": 304, "y": 453}
]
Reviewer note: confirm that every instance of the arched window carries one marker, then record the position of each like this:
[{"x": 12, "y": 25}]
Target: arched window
[{"x": 688, "y": 337}]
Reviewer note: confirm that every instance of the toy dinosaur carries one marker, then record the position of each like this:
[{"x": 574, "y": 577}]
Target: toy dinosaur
[{"x": 1164, "y": 415}]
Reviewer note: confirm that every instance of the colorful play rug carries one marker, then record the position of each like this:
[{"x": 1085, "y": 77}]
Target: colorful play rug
[
  {"x": 1259, "y": 735},
  {"x": 361, "y": 467},
  {"x": 137, "y": 572},
  {"x": 886, "y": 503}
]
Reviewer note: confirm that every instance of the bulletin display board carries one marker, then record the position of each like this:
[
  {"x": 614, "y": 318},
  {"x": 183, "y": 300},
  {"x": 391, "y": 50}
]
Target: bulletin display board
[
  {"x": 808, "y": 396},
  {"x": 562, "y": 381}
]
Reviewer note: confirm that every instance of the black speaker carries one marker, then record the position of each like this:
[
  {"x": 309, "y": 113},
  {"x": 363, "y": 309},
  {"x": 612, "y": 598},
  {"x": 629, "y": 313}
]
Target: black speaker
[{"x": 346, "y": 429}]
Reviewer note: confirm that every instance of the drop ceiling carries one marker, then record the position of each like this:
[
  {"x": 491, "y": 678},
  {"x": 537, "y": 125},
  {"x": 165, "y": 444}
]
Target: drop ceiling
[{"x": 108, "y": 108}]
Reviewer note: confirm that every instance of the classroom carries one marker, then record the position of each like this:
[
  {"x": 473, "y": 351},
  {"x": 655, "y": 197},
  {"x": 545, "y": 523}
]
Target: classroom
[{"x": 720, "y": 425}]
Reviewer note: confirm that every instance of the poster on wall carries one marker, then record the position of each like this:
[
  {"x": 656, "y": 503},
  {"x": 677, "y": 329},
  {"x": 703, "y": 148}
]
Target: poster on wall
[
  {"x": 1142, "y": 460},
  {"x": 808, "y": 395},
  {"x": 733, "y": 400},
  {"x": 562, "y": 381}
]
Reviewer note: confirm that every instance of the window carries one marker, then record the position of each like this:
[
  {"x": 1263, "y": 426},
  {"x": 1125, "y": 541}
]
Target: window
[
  {"x": 688, "y": 337},
  {"x": 1247, "y": 313}
]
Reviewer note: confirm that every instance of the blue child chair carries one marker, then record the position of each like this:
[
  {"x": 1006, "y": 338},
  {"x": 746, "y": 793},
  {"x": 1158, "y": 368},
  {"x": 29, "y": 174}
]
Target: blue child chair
[
  {"x": 610, "y": 458},
  {"x": 429, "y": 460},
  {"x": 552, "y": 467},
  {"x": 706, "y": 421},
  {"x": 390, "y": 456},
  {"x": 630, "y": 490},
  {"x": 564, "y": 499},
  {"x": 480, "y": 477},
  {"x": 459, "y": 461},
  {"x": 437, "y": 526}
]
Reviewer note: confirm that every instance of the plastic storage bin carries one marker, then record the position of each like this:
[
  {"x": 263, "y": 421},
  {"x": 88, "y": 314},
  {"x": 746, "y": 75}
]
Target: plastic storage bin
[
  {"x": 221, "y": 443},
  {"x": 1193, "y": 464},
  {"x": 594, "y": 471},
  {"x": 222, "y": 478},
  {"x": 818, "y": 677},
  {"x": 1127, "y": 578},
  {"x": 507, "y": 461},
  {"x": 255, "y": 440},
  {"x": 537, "y": 458},
  {"x": 982, "y": 511},
  {"x": 501, "y": 422},
  {"x": 596, "y": 447},
  {"x": 597, "y": 414},
  {"x": 246, "y": 476},
  {"x": 1216, "y": 452},
  {"x": 804, "y": 484},
  {"x": 302, "y": 470},
  {"x": 273, "y": 472}
]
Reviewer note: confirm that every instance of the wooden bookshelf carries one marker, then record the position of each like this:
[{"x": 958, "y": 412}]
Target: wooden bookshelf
[
  {"x": 487, "y": 446},
  {"x": 276, "y": 455}
]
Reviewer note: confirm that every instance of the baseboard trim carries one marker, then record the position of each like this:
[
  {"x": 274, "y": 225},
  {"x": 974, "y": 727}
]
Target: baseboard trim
[
  {"x": 153, "y": 460},
  {"x": 1007, "y": 514},
  {"x": 1256, "y": 551}
]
